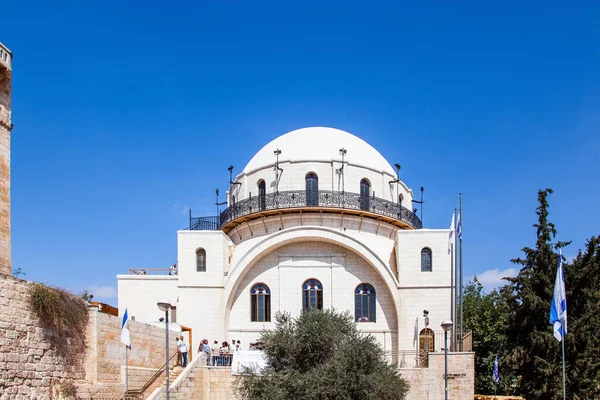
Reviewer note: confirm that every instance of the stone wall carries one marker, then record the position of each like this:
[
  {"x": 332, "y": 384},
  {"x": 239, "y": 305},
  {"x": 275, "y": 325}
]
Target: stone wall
[
  {"x": 216, "y": 383},
  {"x": 428, "y": 383},
  {"x": 30, "y": 368},
  {"x": 5, "y": 128},
  {"x": 106, "y": 355}
]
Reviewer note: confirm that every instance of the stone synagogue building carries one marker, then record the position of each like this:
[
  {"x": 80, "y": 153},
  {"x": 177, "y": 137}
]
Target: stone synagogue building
[{"x": 318, "y": 218}]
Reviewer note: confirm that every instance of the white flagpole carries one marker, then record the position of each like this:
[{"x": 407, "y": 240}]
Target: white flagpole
[
  {"x": 563, "y": 365},
  {"x": 126, "y": 369},
  {"x": 454, "y": 316},
  {"x": 452, "y": 344},
  {"x": 461, "y": 270}
]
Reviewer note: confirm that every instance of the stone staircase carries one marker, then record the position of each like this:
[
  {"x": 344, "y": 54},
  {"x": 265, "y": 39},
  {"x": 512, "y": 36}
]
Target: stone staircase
[
  {"x": 159, "y": 382},
  {"x": 199, "y": 382}
]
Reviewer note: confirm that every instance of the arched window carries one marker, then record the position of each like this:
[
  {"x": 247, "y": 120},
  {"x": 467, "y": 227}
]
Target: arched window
[
  {"x": 312, "y": 189},
  {"x": 426, "y": 345},
  {"x": 365, "y": 189},
  {"x": 400, "y": 199},
  {"x": 426, "y": 259},
  {"x": 364, "y": 303},
  {"x": 260, "y": 303},
  {"x": 262, "y": 191},
  {"x": 201, "y": 260},
  {"x": 232, "y": 199},
  {"x": 312, "y": 295}
]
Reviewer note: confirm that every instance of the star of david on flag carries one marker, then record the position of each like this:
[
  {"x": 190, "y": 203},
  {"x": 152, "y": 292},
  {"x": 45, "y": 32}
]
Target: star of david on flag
[{"x": 558, "y": 308}]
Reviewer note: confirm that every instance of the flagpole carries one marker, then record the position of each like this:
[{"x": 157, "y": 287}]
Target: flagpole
[
  {"x": 452, "y": 344},
  {"x": 126, "y": 369},
  {"x": 461, "y": 271},
  {"x": 563, "y": 367},
  {"x": 454, "y": 316}
]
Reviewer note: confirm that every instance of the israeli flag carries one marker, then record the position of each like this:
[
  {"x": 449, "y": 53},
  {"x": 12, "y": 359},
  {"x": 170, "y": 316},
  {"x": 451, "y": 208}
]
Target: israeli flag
[
  {"x": 558, "y": 309},
  {"x": 451, "y": 238},
  {"x": 459, "y": 227},
  {"x": 125, "y": 338},
  {"x": 496, "y": 373}
]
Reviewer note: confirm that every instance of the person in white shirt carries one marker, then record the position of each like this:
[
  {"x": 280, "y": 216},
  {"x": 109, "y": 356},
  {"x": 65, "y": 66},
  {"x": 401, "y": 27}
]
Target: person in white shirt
[{"x": 182, "y": 348}]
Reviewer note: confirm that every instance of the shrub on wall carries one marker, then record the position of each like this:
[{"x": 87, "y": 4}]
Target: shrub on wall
[{"x": 64, "y": 315}]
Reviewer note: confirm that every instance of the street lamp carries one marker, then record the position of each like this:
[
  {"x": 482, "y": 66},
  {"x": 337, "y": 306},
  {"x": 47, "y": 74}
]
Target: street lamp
[
  {"x": 165, "y": 306},
  {"x": 446, "y": 326}
]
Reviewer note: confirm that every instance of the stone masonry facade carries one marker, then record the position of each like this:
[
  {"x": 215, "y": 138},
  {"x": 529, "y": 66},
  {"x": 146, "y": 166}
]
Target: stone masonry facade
[
  {"x": 30, "y": 368},
  {"x": 5, "y": 128}
]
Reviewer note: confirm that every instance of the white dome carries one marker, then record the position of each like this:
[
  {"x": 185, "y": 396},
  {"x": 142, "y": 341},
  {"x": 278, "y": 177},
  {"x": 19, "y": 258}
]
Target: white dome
[{"x": 319, "y": 144}]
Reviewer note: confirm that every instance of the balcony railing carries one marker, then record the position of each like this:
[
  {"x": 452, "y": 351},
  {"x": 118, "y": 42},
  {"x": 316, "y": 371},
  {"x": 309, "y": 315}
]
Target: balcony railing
[
  {"x": 319, "y": 199},
  {"x": 211, "y": 223},
  {"x": 303, "y": 199}
]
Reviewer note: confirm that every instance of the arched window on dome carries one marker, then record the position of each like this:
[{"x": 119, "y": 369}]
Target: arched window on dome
[
  {"x": 400, "y": 199},
  {"x": 365, "y": 189},
  {"x": 426, "y": 345},
  {"x": 260, "y": 300},
  {"x": 364, "y": 303},
  {"x": 426, "y": 260},
  {"x": 312, "y": 295},
  {"x": 201, "y": 260},
  {"x": 262, "y": 192},
  {"x": 312, "y": 189}
]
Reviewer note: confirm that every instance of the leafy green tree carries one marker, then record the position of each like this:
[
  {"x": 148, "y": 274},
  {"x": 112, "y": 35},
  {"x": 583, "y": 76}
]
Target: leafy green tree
[
  {"x": 582, "y": 345},
  {"x": 321, "y": 354},
  {"x": 485, "y": 316},
  {"x": 534, "y": 354}
]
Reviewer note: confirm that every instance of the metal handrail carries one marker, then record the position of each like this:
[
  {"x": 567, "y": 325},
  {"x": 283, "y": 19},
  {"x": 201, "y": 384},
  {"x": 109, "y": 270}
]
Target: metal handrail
[
  {"x": 320, "y": 198},
  {"x": 310, "y": 199},
  {"x": 140, "y": 391}
]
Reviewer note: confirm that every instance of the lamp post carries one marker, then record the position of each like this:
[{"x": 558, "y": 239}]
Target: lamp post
[
  {"x": 165, "y": 306},
  {"x": 446, "y": 326}
]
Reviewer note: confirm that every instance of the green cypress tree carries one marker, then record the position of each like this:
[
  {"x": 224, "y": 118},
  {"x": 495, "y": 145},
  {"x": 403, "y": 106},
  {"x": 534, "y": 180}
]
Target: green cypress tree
[{"x": 534, "y": 354}]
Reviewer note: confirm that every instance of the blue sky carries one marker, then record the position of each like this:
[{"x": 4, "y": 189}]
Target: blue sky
[{"x": 128, "y": 113}]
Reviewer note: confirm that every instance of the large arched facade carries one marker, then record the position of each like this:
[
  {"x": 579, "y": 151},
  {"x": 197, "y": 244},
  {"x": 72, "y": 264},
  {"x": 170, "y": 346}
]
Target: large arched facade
[{"x": 286, "y": 261}]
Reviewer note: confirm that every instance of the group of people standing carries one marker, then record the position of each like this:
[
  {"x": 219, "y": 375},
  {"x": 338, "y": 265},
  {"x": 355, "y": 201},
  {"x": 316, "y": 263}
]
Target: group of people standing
[
  {"x": 219, "y": 354},
  {"x": 216, "y": 355}
]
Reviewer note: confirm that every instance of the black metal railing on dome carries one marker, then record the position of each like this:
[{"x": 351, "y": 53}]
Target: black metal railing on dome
[{"x": 303, "y": 199}]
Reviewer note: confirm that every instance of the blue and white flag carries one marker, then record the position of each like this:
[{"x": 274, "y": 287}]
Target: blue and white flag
[
  {"x": 451, "y": 238},
  {"x": 496, "y": 372},
  {"x": 125, "y": 338},
  {"x": 459, "y": 227},
  {"x": 558, "y": 309}
]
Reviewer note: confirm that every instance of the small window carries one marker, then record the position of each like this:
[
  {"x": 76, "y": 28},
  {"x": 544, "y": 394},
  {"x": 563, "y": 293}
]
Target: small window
[
  {"x": 400, "y": 199},
  {"x": 201, "y": 260},
  {"x": 426, "y": 260},
  {"x": 365, "y": 189},
  {"x": 260, "y": 303},
  {"x": 173, "y": 314},
  {"x": 262, "y": 192},
  {"x": 312, "y": 189},
  {"x": 312, "y": 295},
  {"x": 364, "y": 303}
]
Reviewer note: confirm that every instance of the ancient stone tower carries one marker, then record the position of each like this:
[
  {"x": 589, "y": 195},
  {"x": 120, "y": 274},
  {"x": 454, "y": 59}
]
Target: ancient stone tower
[{"x": 5, "y": 128}]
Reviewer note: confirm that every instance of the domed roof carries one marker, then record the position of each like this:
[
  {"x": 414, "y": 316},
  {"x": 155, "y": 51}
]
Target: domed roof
[{"x": 319, "y": 144}]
